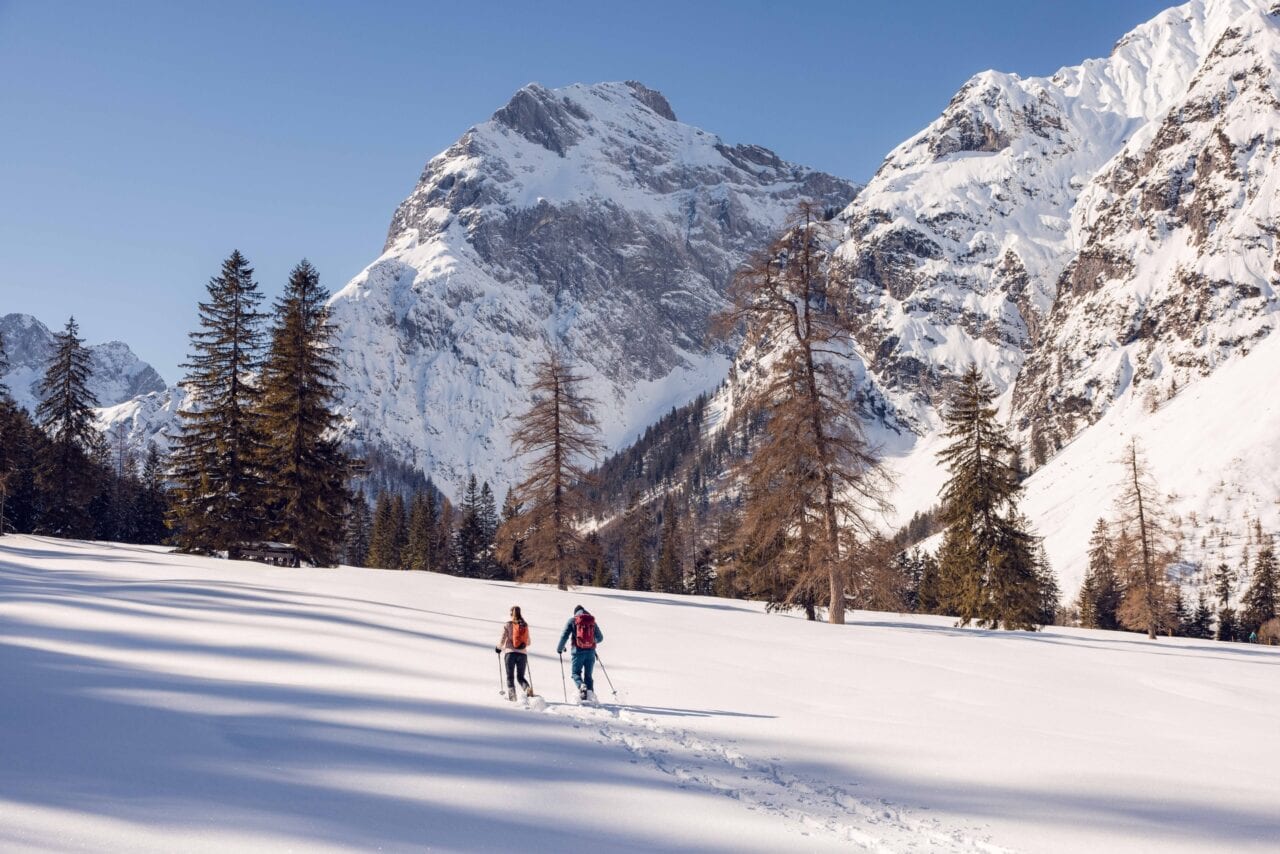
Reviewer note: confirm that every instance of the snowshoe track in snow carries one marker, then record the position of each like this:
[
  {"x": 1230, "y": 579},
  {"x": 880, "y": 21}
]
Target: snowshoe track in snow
[{"x": 815, "y": 807}]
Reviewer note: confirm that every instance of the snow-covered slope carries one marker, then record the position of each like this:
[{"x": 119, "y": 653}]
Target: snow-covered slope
[
  {"x": 158, "y": 702},
  {"x": 587, "y": 216},
  {"x": 960, "y": 238},
  {"x": 1213, "y": 452},
  {"x": 1179, "y": 259},
  {"x": 118, "y": 375}
]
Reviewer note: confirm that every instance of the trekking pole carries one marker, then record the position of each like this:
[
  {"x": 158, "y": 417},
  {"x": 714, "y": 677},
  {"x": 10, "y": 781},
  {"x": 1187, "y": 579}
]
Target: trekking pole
[
  {"x": 528, "y": 666},
  {"x": 605, "y": 671},
  {"x": 563, "y": 686},
  {"x": 500, "y": 688}
]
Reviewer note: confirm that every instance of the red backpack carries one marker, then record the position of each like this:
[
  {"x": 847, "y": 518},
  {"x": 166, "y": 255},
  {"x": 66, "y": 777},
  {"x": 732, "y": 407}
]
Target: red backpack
[
  {"x": 519, "y": 635},
  {"x": 584, "y": 631}
]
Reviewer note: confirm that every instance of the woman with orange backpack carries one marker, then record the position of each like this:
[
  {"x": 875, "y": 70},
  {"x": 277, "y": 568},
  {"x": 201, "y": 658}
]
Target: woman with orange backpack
[{"x": 513, "y": 646}]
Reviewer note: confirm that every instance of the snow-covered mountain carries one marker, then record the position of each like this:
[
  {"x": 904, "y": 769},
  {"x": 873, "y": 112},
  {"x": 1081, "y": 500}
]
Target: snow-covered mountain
[
  {"x": 1094, "y": 241},
  {"x": 960, "y": 240},
  {"x": 588, "y": 216},
  {"x": 118, "y": 375}
]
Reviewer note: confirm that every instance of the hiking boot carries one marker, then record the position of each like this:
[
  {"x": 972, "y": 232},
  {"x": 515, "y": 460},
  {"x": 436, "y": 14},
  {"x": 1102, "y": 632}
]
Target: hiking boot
[
  {"x": 582, "y": 693},
  {"x": 511, "y": 694}
]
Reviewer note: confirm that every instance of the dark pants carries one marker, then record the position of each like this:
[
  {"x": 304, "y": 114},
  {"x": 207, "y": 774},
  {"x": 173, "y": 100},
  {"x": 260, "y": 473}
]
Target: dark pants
[
  {"x": 584, "y": 661},
  {"x": 516, "y": 664}
]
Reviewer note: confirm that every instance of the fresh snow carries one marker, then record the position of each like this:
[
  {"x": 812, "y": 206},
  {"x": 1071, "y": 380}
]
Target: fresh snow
[{"x": 158, "y": 702}]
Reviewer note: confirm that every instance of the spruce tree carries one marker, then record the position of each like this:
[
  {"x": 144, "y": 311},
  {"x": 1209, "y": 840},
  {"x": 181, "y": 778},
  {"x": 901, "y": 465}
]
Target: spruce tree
[
  {"x": 153, "y": 498},
  {"x": 308, "y": 495},
  {"x": 65, "y": 413},
  {"x": 1259, "y": 602},
  {"x": 472, "y": 550},
  {"x": 422, "y": 522},
  {"x": 596, "y": 569},
  {"x": 1101, "y": 592},
  {"x": 668, "y": 572},
  {"x": 219, "y": 488},
  {"x": 1202, "y": 619},
  {"x": 988, "y": 564},
  {"x": 929, "y": 595},
  {"x": 637, "y": 569},
  {"x": 359, "y": 524}
]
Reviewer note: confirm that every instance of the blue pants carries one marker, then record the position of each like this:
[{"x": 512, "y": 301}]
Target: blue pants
[{"x": 584, "y": 661}]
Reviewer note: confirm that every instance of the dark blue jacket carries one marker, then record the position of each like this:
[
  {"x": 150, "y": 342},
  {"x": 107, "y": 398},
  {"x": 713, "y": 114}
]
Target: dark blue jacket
[{"x": 567, "y": 636}]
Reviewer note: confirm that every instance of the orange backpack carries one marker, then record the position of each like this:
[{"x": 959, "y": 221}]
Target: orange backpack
[{"x": 519, "y": 635}]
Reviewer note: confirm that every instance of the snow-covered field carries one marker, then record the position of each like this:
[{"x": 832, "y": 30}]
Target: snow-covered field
[{"x": 159, "y": 702}]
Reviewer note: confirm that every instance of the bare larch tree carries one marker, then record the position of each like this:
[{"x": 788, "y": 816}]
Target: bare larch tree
[
  {"x": 1145, "y": 553},
  {"x": 813, "y": 483},
  {"x": 558, "y": 435}
]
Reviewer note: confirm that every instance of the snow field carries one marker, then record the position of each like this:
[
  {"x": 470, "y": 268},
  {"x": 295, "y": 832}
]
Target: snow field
[{"x": 163, "y": 702}]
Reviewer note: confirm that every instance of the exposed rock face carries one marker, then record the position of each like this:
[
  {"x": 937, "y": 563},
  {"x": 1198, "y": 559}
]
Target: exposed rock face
[
  {"x": 117, "y": 374},
  {"x": 1177, "y": 270},
  {"x": 960, "y": 240},
  {"x": 587, "y": 216}
]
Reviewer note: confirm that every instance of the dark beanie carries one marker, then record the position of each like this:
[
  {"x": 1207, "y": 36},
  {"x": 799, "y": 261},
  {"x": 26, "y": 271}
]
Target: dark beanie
[{"x": 578, "y": 609}]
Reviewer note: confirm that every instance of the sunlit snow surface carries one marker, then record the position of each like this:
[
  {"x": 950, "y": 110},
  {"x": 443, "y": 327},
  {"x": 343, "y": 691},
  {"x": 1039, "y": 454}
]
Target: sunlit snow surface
[{"x": 157, "y": 702}]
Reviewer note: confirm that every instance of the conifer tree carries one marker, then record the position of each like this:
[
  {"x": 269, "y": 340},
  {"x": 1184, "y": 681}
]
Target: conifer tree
[
  {"x": 668, "y": 572},
  {"x": 219, "y": 488},
  {"x": 812, "y": 484},
  {"x": 597, "y": 569},
  {"x": 359, "y": 531},
  {"x": 1259, "y": 602},
  {"x": 1202, "y": 619},
  {"x": 389, "y": 535},
  {"x": 421, "y": 537},
  {"x": 508, "y": 540},
  {"x": 1101, "y": 592},
  {"x": 929, "y": 596},
  {"x": 1228, "y": 626},
  {"x": 637, "y": 568},
  {"x": 65, "y": 413},
  {"x": 1224, "y": 581},
  {"x": 990, "y": 573},
  {"x": 557, "y": 436},
  {"x": 309, "y": 473},
  {"x": 880, "y": 576},
  {"x": 153, "y": 499},
  {"x": 1148, "y": 600}
]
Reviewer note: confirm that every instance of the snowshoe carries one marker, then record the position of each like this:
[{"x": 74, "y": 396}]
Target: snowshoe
[
  {"x": 511, "y": 694},
  {"x": 582, "y": 695}
]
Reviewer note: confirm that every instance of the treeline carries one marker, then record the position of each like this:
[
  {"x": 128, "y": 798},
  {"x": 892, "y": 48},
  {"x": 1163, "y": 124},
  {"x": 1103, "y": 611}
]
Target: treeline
[
  {"x": 427, "y": 533},
  {"x": 60, "y": 476},
  {"x": 1118, "y": 592}
]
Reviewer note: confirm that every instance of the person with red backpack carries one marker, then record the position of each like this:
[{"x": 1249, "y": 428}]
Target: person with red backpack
[
  {"x": 583, "y": 632},
  {"x": 513, "y": 646}
]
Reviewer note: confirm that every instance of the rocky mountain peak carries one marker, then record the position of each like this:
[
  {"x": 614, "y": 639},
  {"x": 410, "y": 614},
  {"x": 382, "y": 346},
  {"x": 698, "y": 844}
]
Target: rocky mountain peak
[{"x": 586, "y": 217}]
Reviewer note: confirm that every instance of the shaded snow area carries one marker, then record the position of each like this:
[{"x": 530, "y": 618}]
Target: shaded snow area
[{"x": 160, "y": 702}]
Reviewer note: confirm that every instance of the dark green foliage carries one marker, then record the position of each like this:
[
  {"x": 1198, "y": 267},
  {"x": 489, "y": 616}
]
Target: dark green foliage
[
  {"x": 65, "y": 413},
  {"x": 390, "y": 534},
  {"x": 23, "y": 446},
  {"x": 1224, "y": 582},
  {"x": 668, "y": 572},
  {"x": 990, "y": 572},
  {"x": 1259, "y": 602},
  {"x": 307, "y": 470},
  {"x": 219, "y": 487},
  {"x": 928, "y": 598},
  {"x": 1101, "y": 592},
  {"x": 597, "y": 570},
  {"x": 1201, "y": 625},
  {"x": 1228, "y": 625},
  {"x": 359, "y": 531},
  {"x": 637, "y": 569},
  {"x": 477, "y": 529}
]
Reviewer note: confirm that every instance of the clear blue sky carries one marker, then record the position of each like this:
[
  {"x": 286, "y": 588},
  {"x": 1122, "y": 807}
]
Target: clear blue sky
[{"x": 142, "y": 141}]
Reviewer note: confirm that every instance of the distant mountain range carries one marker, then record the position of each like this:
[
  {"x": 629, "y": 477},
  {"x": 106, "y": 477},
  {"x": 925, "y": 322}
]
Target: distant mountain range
[{"x": 1097, "y": 241}]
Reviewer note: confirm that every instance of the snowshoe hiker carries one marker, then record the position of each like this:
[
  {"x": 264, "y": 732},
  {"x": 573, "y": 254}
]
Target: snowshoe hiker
[
  {"x": 513, "y": 647},
  {"x": 583, "y": 632}
]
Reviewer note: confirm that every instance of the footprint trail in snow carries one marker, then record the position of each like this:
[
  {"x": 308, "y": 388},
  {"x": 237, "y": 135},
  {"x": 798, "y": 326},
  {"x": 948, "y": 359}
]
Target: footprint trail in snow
[{"x": 815, "y": 807}]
